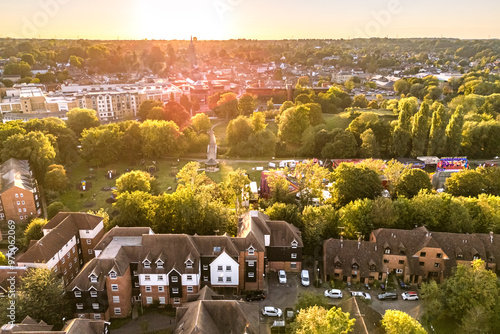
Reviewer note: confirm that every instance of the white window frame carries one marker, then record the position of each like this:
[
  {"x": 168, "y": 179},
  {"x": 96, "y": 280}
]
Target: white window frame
[
  {"x": 116, "y": 299},
  {"x": 189, "y": 289},
  {"x": 114, "y": 287},
  {"x": 79, "y": 306},
  {"x": 118, "y": 311}
]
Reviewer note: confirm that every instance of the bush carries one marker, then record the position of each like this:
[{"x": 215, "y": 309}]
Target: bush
[{"x": 54, "y": 208}]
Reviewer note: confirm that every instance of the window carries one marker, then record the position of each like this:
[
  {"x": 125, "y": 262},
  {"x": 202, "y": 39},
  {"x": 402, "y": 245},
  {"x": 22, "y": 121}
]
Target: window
[
  {"x": 219, "y": 268},
  {"x": 251, "y": 251},
  {"x": 147, "y": 264},
  {"x": 294, "y": 244},
  {"x": 220, "y": 279},
  {"x": 114, "y": 287},
  {"x": 205, "y": 267},
  {"x": 147, "y": 277},
  {"x": 97, "y": 316},
  {"x": 93, "y": 279},
  {"x": 112, "y": 275},
  {"x": 136, "y": 284},
  {"x": 162, "y": 300},
  {"x": 116, "y": 299},
  {"x": 189, "y": 264},
  {"x": 148, "y": 288},
  {"x": 228, "y": 279},
  {"x": 161, "y": 288},
  {"x": 175, "y": 279},
  {"x": 24, "y": 210},
  {"x": 118, "y": 311},
  {"x": 476, "y": 257},
  {"x": 70, "y": 265},
  {"x": 205, "y": 278},
  {"x": 74, "y": 260},
  {"x": 78, "y": 293},
  {"x": 90, "y": 251},
  {"x": 95, "y": 306},
  {"x": 177, "y": 300},
  {"x": 436, "y": 265},
  {"x": 293, "y": 265},
  {"x": 228, "y": 268},
  {"x": 21, "y": 194},
  {"x": 79, "y": 306},
  {"x": 460, "y": 256},
  {"x": 73, "y": 249},
  {"x": 422, "y": 254},
  {"x": 294, "y": 255},
  {"x": 189, "y": 277},
  {"x": 93, "y": 294},
  {"x": 160, "y": 277},
  {"x": 135, "y": 273},
  {"x": 23, "y": 202},
  {"x": 89, "y": 241},
  {"x": 17, "y": 195},
  {"x": 401, "y": 261},
  {"x": 149, "y": 300},
  {"x": 18, "y": 203},
  {"x": 251, "y": 263},
  {"x": 175, "y": 290},
  {"x": 439, "y": 255},
  {"x": 387, "y": 251},
  {"x": 63, "y": 260},
  {"x": 421, "y": 264},
  {"x": 189, "y": 289},
  {"x": 251, "y": 275},
  {"x": 159, "y": 265},
  {"x": 399, "y": 271}
]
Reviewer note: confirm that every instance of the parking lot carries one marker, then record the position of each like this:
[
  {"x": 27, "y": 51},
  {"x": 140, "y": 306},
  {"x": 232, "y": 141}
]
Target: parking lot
[{"x": 285, "y": 296}]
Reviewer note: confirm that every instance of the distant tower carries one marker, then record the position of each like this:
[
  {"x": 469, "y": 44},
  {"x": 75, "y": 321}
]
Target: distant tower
[{"x": 192, "y": 53}]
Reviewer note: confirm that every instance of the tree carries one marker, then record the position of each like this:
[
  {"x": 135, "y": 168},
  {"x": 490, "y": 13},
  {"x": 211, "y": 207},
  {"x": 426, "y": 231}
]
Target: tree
[
  {"x": 176, "y": 113},
  {"x": 369, "y": 146},
  {"x": 135, "y": 209},
  {"x": 411, "y": 182},
  {"x": 147, "y": 106},
  {"x": 353, "y": 182},
  {"x": 437, "y": 139},
  {"x": 292, "y": 123},
  {"x": 287, "y": 212},
  {"x": 41, "y": 296},
  {"x": 56, "y": 178},
  {"x": 34, "y": 230},
  {"x": 28, "y": 58},
  {"x": 397, "y": 322},
  {"x": 420, "y": 130},
  {"x": 227, "y": 106},
  {"x": 135, "y": 180},
  {"x": 201, "y": 123},
  {"x": 343, "y": 146},
  {"x": 310, "y": 299},
  {"x": 54, "y": 208},
  {"x": 34, "y": 147},
  {"x": 402, "y": 131},
  {"x": 360, "y": 101},
  {"x": 160, "y": 139},
  {"x": 3, "y": 262},
  {"x": 185, "y": 103},
  {"x": 453, "y": 132},
  {"x": 156, "y": 113},
  {"x": 100, "y": 146},
  {"x": 75, "y": 61},
  {"x": 317, "y": 320},
  {"x": 467, "y": 183},
  {"x": 310, "y": 179},
  {"x": 247, "y": 104},
  {"x": 401, "y": 86},
  {"x": 81, "y": 119},
  {"x": 318, "y": 224},
  {"x": 279, "y": 186}
]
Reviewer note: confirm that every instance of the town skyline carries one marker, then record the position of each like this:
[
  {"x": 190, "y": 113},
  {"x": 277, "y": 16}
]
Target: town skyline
[{"x": 234, "y": 19}]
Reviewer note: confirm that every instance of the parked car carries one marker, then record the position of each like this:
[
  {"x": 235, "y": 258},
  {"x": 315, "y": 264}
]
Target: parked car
[
  {"x": 271, "y": 311},
  {"x": 363, "y": 295},
  {"x": 255, "y": 295},
  {"x": 387, "y": 295},
  {"x": 304, "y": 278},
  {"x": 410, "y": 295},
  {"x": 282, "y": 276},
  {"x": 333, "y": 293}
]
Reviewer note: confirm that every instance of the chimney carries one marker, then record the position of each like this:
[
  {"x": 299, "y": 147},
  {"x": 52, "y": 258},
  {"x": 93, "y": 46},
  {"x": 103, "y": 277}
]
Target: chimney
[
  {"x": 341, "y": 241},
  {"x": 491, "y": 236},
  {"x": 375, "y": 247}
]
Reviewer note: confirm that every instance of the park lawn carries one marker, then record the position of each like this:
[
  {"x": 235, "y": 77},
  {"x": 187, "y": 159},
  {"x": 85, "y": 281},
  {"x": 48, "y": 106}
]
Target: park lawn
[
  {"x": 220, "y": 131},
  {"x": 337, "y": 121},
  {"x": 82, "y": 201}
]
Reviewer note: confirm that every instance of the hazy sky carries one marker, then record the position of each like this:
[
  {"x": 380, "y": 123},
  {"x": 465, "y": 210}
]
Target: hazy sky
[{"x": 257, "y": 19}]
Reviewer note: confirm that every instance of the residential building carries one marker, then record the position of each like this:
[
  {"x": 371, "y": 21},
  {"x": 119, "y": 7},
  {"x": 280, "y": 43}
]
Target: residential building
[
  {"x": 67, "y": 244},
  {"x": 414, "y": 255},
  {"x": 208, "y": 313},
  {"x": 170, "y": 268},
  {"x": 19, "y": 195},
  {"x": 73, "y": 326}
]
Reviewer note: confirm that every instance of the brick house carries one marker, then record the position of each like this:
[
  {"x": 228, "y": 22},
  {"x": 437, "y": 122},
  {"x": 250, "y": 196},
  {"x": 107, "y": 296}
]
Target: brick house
[{"x": 414, "y": 255}]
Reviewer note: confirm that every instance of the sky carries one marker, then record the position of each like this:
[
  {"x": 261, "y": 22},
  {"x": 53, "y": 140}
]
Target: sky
[{"x": 251, "y": 19}]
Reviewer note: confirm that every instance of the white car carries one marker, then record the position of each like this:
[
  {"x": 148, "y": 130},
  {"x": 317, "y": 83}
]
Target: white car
[
  {"x": 271, "y": 311},
  {"x": 363, "y": 295},
  {"x": 304, "y": 278},
  {"x": 333, "y": 293},
  {"x": 282, "y": 276},
  {"x": 410, "y": 295}
]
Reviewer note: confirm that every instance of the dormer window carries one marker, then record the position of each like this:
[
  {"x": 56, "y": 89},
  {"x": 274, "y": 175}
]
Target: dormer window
[
  {"x": 295, "y": 244},
  {"x": 355, "y": 266},
  {"x": 78, "y": 293},
  {"x": 112, "y": 275},
  {"x": 460, "y": 256},
  {"x": 338, "y": 265},
  {"x": 146, "y": 264},
  {"x": 159, "y": 264},
  {"x": 251, "y": 251},
  {"x": 93, "y": 278},
  {"x": 387, "y": 251},
  {"x": 373, "y": 268},
  {"x": 189, "y": 264},
  {"x": 476, "y": 257}
]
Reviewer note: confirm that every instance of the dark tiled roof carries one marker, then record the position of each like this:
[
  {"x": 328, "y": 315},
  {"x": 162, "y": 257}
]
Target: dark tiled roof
[
  {"x": 283, "y": 234},
  {"x": 347, "y": 252}
]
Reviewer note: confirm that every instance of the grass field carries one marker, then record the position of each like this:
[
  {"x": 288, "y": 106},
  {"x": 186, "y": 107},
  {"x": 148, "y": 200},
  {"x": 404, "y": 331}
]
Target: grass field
[{"x": 95, "y": 198}]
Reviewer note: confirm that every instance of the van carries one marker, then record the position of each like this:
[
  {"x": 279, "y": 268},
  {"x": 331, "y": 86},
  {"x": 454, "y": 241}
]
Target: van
[{"x": 304, "y": 278}]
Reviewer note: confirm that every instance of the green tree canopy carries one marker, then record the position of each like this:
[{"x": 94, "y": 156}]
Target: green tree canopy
[
  {"x": 352, "y": 183},
  {"x": 317, "y": 320},
  {"x": 34, "y": 230},
  {"x": 411, "y": 182},
  {"x": 81, "y": 119},
  {"x": 398, "y": 322},
  {"x": 56, "y": 178},
  {"x": 135, "y": 180}
]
